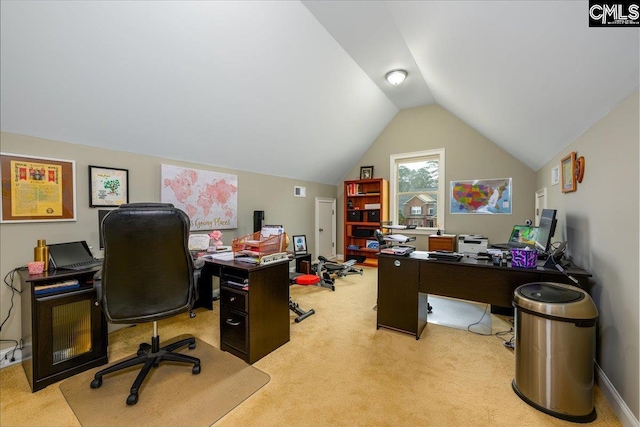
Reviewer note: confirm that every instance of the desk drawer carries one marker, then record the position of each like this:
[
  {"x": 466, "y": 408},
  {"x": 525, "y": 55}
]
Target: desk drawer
[
  {"x": 234, "y": 299},
  {"x": 234, "y": 329}
]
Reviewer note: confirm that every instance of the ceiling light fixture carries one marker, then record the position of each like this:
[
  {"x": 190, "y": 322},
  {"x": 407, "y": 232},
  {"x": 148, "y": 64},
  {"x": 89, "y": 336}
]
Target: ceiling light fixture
[{"x": 396, "y": 77}]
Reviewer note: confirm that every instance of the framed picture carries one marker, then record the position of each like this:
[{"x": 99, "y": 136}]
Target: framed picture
[
  {"x": 568, "y": 167},
  {"x": 108, "y": 187},
  {"x": 366, "y": 172},
  {"x": 299, "y": 245},
  {"x": 37, "y": 189},
  {"x": 555, "y": 176}
]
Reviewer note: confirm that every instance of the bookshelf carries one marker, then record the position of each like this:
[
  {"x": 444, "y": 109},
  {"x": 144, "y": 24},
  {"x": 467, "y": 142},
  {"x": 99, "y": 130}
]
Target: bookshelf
[{"x": 366, "y": 207}]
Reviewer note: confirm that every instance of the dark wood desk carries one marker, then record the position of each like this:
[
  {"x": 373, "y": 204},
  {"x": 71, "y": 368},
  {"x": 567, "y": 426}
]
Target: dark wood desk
[
  {"x": 253, "y": 321},
  {"x": 404, "y": 282}
]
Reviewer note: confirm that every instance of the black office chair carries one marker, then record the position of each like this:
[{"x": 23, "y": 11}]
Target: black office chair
[{"x": 147, "y": 275}]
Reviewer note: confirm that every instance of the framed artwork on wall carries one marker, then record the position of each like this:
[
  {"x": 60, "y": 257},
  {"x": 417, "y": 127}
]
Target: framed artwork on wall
[
  {"x": 568, "y": 167},
  {"x": 37, "y": 189},
  {"x": 108, "y": 187},
  {"x": 555, "y": 176}
]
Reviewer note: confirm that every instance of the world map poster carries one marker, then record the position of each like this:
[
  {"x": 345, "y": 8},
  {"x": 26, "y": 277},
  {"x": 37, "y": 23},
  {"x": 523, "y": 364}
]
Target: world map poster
[
  {"x": 210, "y": 199},
  {"x": 483, "y": 196}
]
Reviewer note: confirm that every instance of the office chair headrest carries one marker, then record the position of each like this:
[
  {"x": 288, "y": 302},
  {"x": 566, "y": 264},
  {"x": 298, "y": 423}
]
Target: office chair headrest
[{"x": 146, "y": 205}]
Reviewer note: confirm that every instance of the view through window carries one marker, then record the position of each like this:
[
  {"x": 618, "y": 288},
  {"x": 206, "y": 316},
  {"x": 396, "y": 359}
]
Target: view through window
[{"x": 417, "y": 187}]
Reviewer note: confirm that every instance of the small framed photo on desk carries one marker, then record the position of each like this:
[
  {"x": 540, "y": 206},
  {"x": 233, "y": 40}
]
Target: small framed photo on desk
[{"x": 300, "y": 245}]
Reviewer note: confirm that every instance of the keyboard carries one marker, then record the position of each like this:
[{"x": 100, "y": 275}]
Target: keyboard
[
  {"x": 83, "y": 265},
  {"x": 445, "y": 256}
]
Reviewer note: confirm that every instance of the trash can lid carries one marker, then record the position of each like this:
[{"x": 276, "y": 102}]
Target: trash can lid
[
  {"x": 555, "y": 299},
  {"x": 546, "y": 292}
]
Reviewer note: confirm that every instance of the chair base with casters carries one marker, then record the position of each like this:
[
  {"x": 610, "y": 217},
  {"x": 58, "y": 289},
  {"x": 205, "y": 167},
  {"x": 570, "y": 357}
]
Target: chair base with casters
[
  {"x": 150, "y": 355},
  {"x": 305, "y": 280}
]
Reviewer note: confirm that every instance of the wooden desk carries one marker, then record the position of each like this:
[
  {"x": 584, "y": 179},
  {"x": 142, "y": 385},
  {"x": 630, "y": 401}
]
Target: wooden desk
[
  {"x": 404, "y": 282},
  {"x": 253, "y": 321}
]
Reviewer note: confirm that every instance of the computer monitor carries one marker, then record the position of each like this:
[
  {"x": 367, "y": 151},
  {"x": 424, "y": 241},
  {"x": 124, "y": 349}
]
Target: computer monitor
[{"x": 546, "y": 229}]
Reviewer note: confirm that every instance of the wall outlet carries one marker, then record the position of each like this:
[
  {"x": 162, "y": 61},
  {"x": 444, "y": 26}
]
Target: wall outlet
[{"x": 7, "y": 362}]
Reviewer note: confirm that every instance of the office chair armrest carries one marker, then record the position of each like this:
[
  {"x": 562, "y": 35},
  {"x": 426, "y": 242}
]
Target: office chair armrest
[
  {"x": 197, "y": 272},
  {"x": 97, "y": 285}
]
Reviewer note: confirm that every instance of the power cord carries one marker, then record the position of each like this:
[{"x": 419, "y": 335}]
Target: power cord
[
  {"x": 476, "y": 323},
  {"x": 8, "y": 280},
  {"x": 10, "y": 275}
]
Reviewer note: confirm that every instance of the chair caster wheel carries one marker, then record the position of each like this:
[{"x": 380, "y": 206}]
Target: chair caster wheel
[
  {"x": 196, "y": 370},
  {"x": 140, "y": 352},
  {"x": 192, "y": 346},
  {"x": 96, "y": 383},
  {"x": 192, "y": 314},
  {"x": 132, "y": 399},
  {"x": 333, "y": 288}
]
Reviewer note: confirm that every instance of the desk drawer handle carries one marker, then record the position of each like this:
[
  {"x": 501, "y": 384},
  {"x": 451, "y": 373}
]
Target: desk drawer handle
[
  {"x": 232, "y": 323},
  {"x": 232, "y": 299},
  {"x": 397, "y": 263}
]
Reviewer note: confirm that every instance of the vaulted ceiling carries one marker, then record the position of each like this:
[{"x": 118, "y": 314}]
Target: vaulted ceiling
[{"x": 297, "y": 89}]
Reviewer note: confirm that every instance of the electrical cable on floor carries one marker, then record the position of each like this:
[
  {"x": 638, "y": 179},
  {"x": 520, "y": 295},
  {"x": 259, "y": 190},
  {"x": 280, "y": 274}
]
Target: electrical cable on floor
[{"x": 478, "y": 333}]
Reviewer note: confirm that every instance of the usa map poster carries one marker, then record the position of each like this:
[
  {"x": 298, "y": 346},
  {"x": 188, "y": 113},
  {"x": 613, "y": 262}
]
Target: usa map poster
[
  {"x": 210, "y": 199},
  {"x": 482, "y": 196}
]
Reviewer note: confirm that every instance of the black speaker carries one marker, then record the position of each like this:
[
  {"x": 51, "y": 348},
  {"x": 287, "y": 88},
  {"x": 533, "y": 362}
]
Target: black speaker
[{"x": 258, "y": 218}]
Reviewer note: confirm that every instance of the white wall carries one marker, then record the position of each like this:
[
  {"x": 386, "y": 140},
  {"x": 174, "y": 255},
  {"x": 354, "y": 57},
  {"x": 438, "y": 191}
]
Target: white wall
[
  {"x": 272, "y": 194},
  {"x": 601, "y": 224}
]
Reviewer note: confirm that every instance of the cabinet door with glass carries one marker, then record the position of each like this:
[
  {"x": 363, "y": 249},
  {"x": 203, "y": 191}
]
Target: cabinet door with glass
[{"x": 70, "y": 332}]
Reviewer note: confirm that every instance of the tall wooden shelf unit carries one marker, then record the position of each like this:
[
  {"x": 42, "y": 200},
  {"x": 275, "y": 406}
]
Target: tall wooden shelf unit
[{"x": 366, "y": 207}]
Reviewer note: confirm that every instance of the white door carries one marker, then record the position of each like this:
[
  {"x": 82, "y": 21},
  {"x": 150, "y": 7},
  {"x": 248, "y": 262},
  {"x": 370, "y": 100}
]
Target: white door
[
  {"x": 541, "y": 203},
  {"x": 325, "y": 227}
]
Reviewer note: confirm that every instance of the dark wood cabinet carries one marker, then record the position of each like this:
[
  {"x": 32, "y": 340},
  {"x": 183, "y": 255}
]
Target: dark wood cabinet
[
  {"x": 366, "y": 207},
  {"x": 400, "y": 304},
  {"x": 254, "y": 309},
  {"x": 64, "y": 331}
]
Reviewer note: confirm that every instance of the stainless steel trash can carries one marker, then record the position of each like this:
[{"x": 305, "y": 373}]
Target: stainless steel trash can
[{"x": 555, "y": 344}]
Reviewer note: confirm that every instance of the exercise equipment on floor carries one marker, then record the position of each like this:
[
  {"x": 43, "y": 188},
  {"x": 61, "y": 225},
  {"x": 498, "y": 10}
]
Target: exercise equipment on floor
[
  {"x": 305, "y": 280},
  {"x": 325, "y": 268}
]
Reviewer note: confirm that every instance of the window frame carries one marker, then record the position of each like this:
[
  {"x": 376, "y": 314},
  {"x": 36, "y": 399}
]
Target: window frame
[{"x": 394, "y": 159}]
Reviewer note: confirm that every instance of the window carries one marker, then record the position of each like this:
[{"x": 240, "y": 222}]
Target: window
[{"x": 418, "y": 175}]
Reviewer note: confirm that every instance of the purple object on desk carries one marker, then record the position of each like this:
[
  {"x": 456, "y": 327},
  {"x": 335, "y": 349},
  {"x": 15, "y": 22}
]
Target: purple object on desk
[{"x": 524, "y": 258}]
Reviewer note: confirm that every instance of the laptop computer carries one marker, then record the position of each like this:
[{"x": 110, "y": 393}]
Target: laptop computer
[
  {"x": 72, "y": 256},
  {"x": 521, "y": 236}
]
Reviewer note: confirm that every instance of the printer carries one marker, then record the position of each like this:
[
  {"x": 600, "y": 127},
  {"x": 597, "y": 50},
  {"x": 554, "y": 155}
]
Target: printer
[{"x": 472, "y": 243}]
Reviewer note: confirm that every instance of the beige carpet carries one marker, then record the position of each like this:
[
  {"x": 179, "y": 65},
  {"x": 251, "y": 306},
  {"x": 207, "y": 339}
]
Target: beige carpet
[
  {"x": 171, "y": 395},
  {"x": 339, "y": 370}
]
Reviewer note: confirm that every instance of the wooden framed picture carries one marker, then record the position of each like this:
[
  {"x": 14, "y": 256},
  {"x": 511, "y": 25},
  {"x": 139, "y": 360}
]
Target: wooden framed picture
[
  {"x": 37, "y": 189},
  {"x": 568, "y": 167},
  {"x": 300, "y": 244},
  {"x": 366, "y": 172},
  {"x": 108, "y": 187}
]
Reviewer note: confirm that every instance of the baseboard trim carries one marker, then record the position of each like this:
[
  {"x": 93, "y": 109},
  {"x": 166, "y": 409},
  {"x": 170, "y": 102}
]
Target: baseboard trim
[
  {"x": 618, "y": 406},
  {"x": 7, "y": 362}
]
